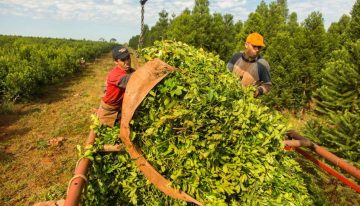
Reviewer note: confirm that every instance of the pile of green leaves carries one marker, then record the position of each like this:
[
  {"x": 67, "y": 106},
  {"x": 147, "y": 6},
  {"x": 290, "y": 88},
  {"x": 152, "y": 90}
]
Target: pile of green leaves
[{"x": 206, "y": 134}]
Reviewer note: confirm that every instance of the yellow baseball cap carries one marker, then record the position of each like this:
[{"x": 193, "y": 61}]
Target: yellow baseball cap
[{"x": 255, "y": 39}]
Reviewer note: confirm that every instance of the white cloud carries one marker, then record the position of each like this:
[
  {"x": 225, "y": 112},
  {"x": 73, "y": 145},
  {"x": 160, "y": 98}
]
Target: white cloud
[
  {"x": 154, "y": 7},
  {"x": 125, "y": 14},
  {"x": 92, "y": 10},
  {"x": 129, "y": 10},
  {"x": 240, "y": 9},
  {"x": 331, "y": 10},
  {"x": 229, "y": 4}
]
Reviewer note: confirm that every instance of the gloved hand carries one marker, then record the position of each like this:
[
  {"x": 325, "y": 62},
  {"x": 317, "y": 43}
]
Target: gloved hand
[{"x": 259, "y": 91}]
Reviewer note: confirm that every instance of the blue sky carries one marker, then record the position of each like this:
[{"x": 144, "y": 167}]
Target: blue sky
[{"x": 120, "y": 19}]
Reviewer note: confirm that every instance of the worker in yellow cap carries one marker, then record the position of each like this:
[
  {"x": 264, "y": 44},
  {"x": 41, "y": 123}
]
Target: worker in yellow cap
[{"x": 250, "y": 67}]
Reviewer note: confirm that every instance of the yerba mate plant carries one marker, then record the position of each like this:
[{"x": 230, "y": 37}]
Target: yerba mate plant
[{"x": 206, "y": 134}]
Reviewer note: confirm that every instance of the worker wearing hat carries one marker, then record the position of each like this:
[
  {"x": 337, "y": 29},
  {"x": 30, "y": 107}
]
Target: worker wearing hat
[
  {"x": 250, "y": 67},
  {"x": 110, "y": 105}
]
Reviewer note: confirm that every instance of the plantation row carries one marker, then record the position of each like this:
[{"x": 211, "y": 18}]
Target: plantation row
[{"x": 29, "y": 63}]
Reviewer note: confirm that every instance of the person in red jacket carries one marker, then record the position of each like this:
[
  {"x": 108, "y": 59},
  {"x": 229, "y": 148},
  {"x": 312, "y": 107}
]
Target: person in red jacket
[{"x": 110, "y": 106}]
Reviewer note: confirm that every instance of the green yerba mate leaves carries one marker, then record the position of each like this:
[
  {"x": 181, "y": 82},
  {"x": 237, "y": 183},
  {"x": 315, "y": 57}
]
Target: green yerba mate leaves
[{"x": 206, "y": 134}]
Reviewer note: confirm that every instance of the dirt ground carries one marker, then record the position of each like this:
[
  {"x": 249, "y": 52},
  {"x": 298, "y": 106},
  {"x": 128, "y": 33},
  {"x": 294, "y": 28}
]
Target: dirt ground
[{"x": 38, "y": 139}]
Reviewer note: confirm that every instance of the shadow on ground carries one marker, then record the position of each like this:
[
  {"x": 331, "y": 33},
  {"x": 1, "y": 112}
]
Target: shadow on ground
[
  {"x": 48, "y": 95},
  {"x": 5, "y": 156},
  {"x": 56, "y": 92}
]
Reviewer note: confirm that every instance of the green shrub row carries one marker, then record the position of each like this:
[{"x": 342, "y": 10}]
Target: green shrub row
[{"x": 29, "y": 63}]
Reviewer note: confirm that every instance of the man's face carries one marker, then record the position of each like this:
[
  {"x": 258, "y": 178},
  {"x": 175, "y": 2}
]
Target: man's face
[
  {"x": 252, "y": 50},
  {"x": 124, "y": 63},
  {"x": 127, "y": 63}
]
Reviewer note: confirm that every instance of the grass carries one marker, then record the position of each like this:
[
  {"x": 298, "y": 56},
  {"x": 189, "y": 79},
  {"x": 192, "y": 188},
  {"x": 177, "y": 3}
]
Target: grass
[
  {"x": 32, "y": 170},
  {"x": 6, "y": 107},
  {"x": 297, "y": 120}
]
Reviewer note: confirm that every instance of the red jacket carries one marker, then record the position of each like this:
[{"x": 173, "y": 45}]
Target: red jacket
[{"x": 114, "y": 94}]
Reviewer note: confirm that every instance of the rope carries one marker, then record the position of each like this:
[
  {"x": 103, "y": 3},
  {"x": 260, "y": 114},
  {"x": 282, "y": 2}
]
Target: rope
[
  {"x": 76, "y": 176},
  {"x": 77, "y": 163}
]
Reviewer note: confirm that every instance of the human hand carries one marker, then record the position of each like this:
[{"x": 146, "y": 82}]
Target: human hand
[{"x": 259, "y": 91}]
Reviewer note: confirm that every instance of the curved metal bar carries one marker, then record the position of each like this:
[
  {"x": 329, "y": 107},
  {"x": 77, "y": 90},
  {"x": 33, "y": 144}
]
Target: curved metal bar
[
  {"x": 354, "y": 171},
  {"x": 298, "y": 143},
  {"x": 329, "y": 170}
]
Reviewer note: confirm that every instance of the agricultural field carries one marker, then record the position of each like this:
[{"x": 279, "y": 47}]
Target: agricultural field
[
  {"x": 198, "y": 127},
  {"x": 28, "y": 63},
  {"x": 38, "y": 136},
  {"x": 37, "y": 141}
]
